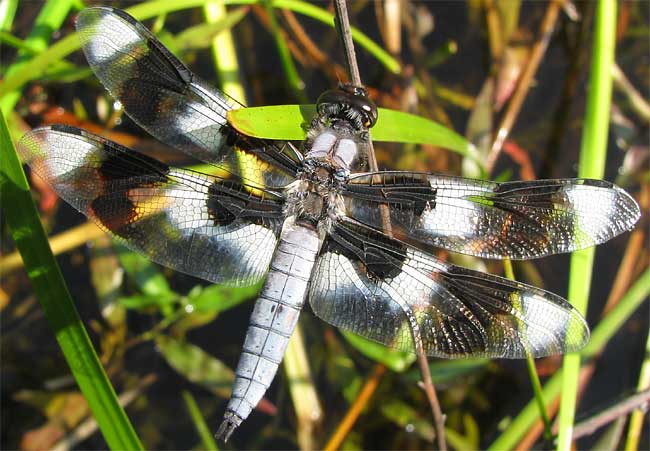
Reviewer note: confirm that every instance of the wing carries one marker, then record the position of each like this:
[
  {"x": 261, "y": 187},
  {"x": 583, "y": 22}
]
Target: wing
[
  {"x": 165, "y": 98},
  {"x": 518, "y": 220},
  {"x": 213, "y": 227},
  {"x": 378, "y": 287}
]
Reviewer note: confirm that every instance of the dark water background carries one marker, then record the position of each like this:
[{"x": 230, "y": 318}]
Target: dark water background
[{"x": 30, "y": 355}]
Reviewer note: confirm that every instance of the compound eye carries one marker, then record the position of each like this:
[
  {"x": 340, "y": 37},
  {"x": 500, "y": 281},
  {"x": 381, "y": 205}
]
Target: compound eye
[
  {"x": 333, "y": 96},
  {"x": 369, "y": 109}
]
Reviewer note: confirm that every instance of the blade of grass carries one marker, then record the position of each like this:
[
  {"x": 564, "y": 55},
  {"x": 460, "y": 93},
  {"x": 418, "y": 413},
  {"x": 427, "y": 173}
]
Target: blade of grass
[
  {"x": 636, "y": 419},
  {"x": 7, "y": 13},
  {"x": 532, "y": 371},
  {"x": 601, "y": 334},
  {"x": 49, "y": 19},
  {"x": 301, "y": 388},
  {"x": 325, "y": 17},
  {"x": 58, "y": 307},
  {"x": 33, "y": 68},
  {"x": 290, "y": 71},
  {"x": 89, "y": 426},
  {"x": 224, "y": 53},
  {"x": 207, "y": 441},
  {"x": 593, "y": 154},
  {"x": 205, "y": 34},
  {"x": 17, "y": 43}
]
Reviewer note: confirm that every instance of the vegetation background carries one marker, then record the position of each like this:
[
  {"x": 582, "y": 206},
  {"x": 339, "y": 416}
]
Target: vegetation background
[{"x": 169, "y": 342}]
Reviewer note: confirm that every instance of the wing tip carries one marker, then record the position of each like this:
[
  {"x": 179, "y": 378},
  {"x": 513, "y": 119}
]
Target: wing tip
[
  {"x": 606, "y": 210},
  {"x": 577, "y": 333},
  {"x": 556, "y": 326},
  {"x": 628, "y": 206}
]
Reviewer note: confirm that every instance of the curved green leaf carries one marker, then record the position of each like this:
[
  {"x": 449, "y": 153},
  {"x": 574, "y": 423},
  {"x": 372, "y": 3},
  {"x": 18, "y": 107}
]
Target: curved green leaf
[
  {"x": 289, "y": 122},
  {"x": 395, "y": 360},
  {"x": 196, "y": 365}
]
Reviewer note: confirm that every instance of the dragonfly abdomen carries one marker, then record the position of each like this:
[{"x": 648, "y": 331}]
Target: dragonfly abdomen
[{"x": 272, "y": 322}]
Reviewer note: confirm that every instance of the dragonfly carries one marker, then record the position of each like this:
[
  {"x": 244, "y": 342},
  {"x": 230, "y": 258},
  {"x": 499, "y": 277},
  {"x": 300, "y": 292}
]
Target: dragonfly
[{"x": 309, "y": 221}]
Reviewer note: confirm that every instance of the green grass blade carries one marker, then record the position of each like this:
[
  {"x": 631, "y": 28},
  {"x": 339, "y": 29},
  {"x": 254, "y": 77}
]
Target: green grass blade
[
  {"x": 7, "y": 14},
  {"x": 607, "y": 327},
  {"x": 53, "y": 295},
  {"x": 532, "y": 370},
  {"x": 287, "y": 122},
  {"x": 289, "y": 68},
  {"x": 204, "y": 34},
  {"x": 325, "y": 17},
  {"x": 224, "y": 53},
  {"x": 309, "y": 412},
  {"x": 593, "y": 154},
  {"x": 635, "y": 429},
  {"x": 393, "y": 359},
  {"x": 207, "y": 441},
  {"x": 50, "y": 18},
  {"x": 34, "y": 68}
]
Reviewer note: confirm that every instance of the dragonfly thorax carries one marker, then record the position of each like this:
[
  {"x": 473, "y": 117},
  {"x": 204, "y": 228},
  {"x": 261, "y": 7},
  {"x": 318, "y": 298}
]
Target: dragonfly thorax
[
  {"x": 335, "y": 148},
  {"x": 315, "y": 198}
]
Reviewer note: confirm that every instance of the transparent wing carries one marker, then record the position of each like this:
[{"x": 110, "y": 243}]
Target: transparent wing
[
  {"x": 165, "y": 98},
  {"x": 376, "y": 286},
  {"x": 518, "y": 220},
  {"x": 213, "y": 227}
]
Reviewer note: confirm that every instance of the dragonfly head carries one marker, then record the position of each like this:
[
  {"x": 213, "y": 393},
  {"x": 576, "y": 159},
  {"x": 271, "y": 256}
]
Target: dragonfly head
[{"x": 348, "y": 103}]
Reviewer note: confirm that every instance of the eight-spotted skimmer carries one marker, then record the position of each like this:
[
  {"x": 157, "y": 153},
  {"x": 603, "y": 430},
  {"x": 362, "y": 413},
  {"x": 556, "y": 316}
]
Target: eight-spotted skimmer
[{"x": 311, "y": 225}]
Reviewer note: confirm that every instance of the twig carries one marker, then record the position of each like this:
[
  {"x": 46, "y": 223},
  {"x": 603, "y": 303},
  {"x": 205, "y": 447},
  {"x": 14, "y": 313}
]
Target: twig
[
  {"x": 636, "y": 100},
  {"x": 89, "y": 426},
  {"x": 495, "y": 30},
  {"x": 349, "y": 419},
  {"x": 312, "y": 51},
  {"x": 546, "y": 30},
  {"x": 625, "y": 274},
  {"x": 343, "y": 27},
  {"x": 60, "y": 243},
  {"x": 638, "y": 400},
  {"x": 345, "y": 33}
]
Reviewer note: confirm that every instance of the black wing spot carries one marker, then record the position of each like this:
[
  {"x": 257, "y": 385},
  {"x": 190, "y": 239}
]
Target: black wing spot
[
  {"x": 228, "y": 200},
  {"x": 116, "y": 163},
  {"x": 122, "y": 164},
  {"x": 221, "y": 215},
  {"x": 403, "y": 192},
  {"x": 381, "y": 256},
  {"x": 116, "y": 213},
  {"x": 417, "y": 190}
]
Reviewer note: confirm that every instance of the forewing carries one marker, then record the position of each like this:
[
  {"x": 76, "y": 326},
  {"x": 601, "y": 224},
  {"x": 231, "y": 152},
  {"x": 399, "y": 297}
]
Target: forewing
[
  {"x": 518, "y": 220},
  {"x": 165, "y": 98},
  {"x": 379, "y": 287},
  {"x": 212, "y": 227}
]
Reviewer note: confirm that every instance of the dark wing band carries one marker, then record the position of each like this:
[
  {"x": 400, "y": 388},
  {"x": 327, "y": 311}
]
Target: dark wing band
[
  {"x": 518, "y": 220},
  {"x": 164, "y": 97},
  {"x": 379, "y": 287},
  {"x": 215, "y": 228}
]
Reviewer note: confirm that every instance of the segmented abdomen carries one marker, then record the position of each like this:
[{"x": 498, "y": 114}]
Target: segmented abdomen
[{"x": 272, "y": 322}]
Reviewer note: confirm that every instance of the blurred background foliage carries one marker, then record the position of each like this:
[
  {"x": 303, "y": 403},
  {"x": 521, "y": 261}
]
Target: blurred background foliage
[{"x": 169, "y": 342}]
